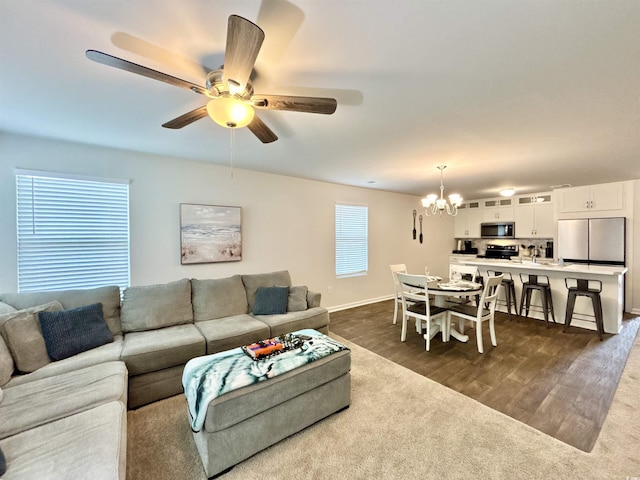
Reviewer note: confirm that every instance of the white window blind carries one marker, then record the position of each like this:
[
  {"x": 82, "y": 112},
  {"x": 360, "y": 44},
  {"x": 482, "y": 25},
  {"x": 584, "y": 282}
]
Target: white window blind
[
  {"x": 71, "y": 233},
  {"x": 352, "y": 249}
]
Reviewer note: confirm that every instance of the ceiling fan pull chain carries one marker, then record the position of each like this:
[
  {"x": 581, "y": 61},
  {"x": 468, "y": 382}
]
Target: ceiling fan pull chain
[{"x": 231, "y": 152}]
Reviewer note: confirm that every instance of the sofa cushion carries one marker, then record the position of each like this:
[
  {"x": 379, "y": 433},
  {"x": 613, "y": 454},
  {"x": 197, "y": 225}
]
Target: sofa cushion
[
  {"x": 253, "y": 282},
  {"x": 231, "y": 332},
  {"x": 90, "y": 444},
  {"x": 218, "y": 298},
  {"x": 6, "y": 308},
  {"x": 156, "y": 306},
  {"x": 69, "y": 332},
  {"x": 316, "y": 318},
  {"x": 42, "y": 401},
  {"x": 96, "y": 356},
  {"x": 108, "y": 296},
  {"x": 6, "y": 363},
  {"x": 271, "y": 300},
  {"x": 297, "y": 299},
  {"x": 162, "y": 348},
  {"x": 21, "y": 331}
]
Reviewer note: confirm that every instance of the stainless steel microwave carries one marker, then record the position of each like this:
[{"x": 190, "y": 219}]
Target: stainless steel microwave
[{"x": 498, "y": 230}]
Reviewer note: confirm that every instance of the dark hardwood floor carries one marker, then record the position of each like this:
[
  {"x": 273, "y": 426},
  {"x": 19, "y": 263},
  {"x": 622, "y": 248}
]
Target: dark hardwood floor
[{"x": 559, "y": 383}]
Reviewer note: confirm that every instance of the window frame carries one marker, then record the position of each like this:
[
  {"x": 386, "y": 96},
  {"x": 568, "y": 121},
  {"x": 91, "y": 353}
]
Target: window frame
[
  {"x": 72, "y": 232},
  {"x": 346, "y": 240}
]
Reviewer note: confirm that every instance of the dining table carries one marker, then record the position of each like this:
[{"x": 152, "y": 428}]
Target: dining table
[{"x": 446, "y": 290}]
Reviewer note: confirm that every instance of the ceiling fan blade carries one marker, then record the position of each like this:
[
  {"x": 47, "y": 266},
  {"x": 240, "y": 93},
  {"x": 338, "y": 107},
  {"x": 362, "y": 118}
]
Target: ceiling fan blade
[
  {"x": 128, "y": 66},
  {"x": 244, "y": 40},
  {"x": 322, "y": 105},
  {"x": 187, "y": 118},
  {"x": 260, "y": 130}
]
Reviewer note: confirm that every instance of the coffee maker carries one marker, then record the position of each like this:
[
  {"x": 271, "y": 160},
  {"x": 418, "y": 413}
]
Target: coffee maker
[{"x": 548, "y": 250}]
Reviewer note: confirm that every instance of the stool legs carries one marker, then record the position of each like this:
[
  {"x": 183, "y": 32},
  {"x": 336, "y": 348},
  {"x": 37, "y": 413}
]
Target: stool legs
[
  {"x": 545, "y": 297},
  {"x": 571, "y": 301},
  {"x": 549, "y": 294},
  {"x": 510, "y": 297},
  {"x": 597, "y": 310}
]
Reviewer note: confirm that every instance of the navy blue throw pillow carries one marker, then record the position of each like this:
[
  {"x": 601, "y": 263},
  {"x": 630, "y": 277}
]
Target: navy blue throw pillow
[
  {"x": 3, "y": 463},
  {"x": 271, "y": 300},
  {"x": 69, "y": 332}
]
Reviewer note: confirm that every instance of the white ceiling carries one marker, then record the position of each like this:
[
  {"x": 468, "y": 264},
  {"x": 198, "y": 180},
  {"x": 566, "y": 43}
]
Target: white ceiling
[{"x": 521, "y": 93}]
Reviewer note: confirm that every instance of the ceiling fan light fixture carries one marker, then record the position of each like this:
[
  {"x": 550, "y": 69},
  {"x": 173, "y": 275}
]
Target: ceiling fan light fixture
[{"x": 229, "y": 112}]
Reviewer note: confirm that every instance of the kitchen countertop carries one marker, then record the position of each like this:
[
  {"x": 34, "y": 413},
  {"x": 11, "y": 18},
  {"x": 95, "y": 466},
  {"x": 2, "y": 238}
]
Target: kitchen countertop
[{"x": 546, "y": 265}]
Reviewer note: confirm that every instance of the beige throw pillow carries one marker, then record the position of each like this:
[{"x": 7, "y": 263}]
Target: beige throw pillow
[
  {"x": 21, "y": 331},
  {"x": 6, "y": 363}
]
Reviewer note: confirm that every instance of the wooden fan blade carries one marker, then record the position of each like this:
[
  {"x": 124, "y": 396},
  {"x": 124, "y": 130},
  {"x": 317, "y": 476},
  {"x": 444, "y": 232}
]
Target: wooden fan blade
[
  {"x": 244, "y": 40},
  {"x": 260, "y": 130},
  {"x": 187, "y": 118},
  {"x": 322, "y": 105},
  {"x": 128, "y": 66}
]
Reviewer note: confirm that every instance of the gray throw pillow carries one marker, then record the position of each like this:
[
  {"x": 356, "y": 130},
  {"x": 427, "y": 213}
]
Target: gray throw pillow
[
  {"x": 74, "y": 331},
  {"x": 297, "y": 299},
  {"x": 271, "y": 301},
  {"x": 6, "y": 363},
  {"x": 254, "y": 281}
]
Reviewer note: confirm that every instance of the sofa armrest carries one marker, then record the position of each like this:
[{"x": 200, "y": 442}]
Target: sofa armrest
[{"x": 313, "y": 299}]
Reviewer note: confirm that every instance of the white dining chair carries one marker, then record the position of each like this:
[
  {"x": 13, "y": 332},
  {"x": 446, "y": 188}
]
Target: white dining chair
[
  {"x": 397, "y": 268},
  {"x": 484, "y": 311},
  {"x": 413, "y": 291},
  {"x": 463, "y": 272}
]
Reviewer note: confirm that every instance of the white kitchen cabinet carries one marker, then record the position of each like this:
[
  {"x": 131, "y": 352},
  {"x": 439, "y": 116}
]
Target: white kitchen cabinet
[
  {"x": 591, "y": 198},
  {"x": 498, "y": 210},
  {"x": 534, "y": 216},
  {"x": 468, "y": 219}
]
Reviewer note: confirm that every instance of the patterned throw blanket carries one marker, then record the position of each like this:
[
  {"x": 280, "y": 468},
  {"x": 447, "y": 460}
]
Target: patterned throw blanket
[{"x": 206, "y": 378}]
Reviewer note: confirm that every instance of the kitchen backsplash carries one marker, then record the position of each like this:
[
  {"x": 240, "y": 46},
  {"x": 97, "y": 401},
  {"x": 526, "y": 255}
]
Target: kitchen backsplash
[{"x": 540, "y": 243}]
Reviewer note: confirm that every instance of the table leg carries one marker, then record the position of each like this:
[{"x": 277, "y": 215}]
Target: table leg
[{"x": 452, "y": 332}]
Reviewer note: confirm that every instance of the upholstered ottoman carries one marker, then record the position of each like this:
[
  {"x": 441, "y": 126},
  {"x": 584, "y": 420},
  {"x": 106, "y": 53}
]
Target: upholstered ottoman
[{"x": 239, "y": 423}]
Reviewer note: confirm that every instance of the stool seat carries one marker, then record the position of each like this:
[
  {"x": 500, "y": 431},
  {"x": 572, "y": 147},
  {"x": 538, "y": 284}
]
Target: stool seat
[
  {"x": 584, "y": 288},
  {"x": 539, "y": 283},
  {"x": 509, "y": 290}
]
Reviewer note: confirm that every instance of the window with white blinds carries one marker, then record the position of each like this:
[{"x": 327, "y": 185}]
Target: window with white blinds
[
  {"x": 352, "y": 244},
  {"x": 71, "y": 233}
]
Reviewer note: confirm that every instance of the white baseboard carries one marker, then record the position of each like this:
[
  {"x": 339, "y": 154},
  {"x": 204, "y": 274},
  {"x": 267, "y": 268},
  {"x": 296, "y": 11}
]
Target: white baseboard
[{"x": 337, "y": 308}]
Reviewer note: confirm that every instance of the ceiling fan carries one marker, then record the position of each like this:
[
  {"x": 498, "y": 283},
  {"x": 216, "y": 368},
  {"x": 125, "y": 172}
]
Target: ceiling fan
[{"x": 231, "y": 99}]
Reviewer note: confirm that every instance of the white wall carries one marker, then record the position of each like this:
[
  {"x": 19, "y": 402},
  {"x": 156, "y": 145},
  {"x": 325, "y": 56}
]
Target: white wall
[{"x": 287, "y": 223}]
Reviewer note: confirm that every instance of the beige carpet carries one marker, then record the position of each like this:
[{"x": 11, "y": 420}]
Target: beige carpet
[{"x": 401, "y": 425}]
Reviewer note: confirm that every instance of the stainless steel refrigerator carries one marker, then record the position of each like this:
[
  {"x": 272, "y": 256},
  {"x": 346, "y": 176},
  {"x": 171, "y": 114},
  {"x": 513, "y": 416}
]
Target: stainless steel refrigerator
[{"x": 599, "y": 241}]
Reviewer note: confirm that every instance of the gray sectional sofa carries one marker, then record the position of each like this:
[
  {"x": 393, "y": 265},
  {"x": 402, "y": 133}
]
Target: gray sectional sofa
[{"x": 67, "y": 418}]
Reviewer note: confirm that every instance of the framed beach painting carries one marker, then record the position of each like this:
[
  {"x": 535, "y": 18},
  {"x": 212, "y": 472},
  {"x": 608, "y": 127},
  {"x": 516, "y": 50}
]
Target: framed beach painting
[{"x": 210, "y": 233}]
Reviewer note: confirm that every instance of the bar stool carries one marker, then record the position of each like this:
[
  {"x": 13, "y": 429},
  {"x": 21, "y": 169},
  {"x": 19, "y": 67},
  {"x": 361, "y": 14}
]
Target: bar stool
[
  {"x": 509, "y": 290},
  {"x": 531, "y": 283},
  {"x": 581, "y": 287}
]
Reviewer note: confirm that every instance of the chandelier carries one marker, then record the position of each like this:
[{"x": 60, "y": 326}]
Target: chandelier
[{"x": 433, "y": 205}]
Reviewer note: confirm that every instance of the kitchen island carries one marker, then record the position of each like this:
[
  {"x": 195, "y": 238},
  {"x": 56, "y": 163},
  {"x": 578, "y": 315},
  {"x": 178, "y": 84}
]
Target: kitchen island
[{"x": 612, "y": 295}]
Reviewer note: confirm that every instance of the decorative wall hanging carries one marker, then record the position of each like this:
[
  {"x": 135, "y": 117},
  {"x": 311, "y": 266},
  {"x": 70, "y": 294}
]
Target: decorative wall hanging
[{"x": 210, "y": 233}]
